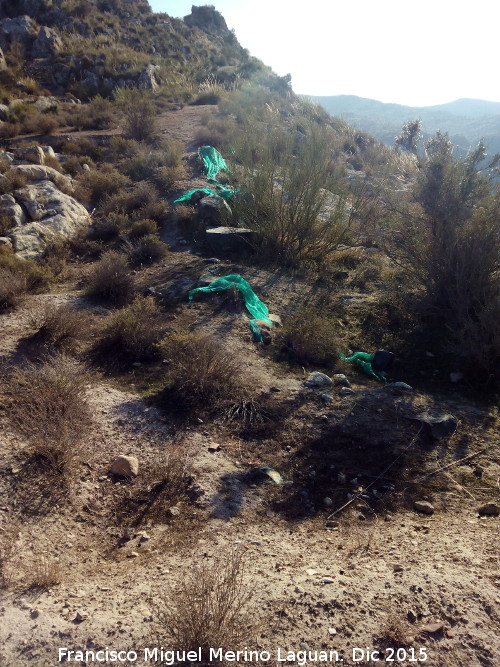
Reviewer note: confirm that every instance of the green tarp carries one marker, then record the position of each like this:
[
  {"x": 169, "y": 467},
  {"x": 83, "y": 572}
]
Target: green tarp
[
  {"x": 364, "y": 361},
  {"x": 214, "y": 162},
  {"x": 253, "y": 304},
  {"x": 222, "y": 191}
]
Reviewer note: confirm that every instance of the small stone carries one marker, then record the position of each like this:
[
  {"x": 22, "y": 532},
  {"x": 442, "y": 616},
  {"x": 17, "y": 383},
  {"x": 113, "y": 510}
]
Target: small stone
[
  {"x": 173, "y": 511},
  {"x": 341, "y": 478},
  {"x": 411, "y": 616},
  {"x": 397, "y": 567},
  {"x": 423, "y": 506},
  {"x": 332, "y": 524},
  {"x": 340, "y": 378},
  {"x": 79, "y": 618},
  {"x": 456, "y": 377},
  {"x": 214, "y": 448},
  {"x": 489, "y": 509},
  {"x": 310, "y": 572},
  {"x": 143, "y": 537},
  {"x": 431, "y": 628},
  {"x": 317, "y": 379},
  {"x": 360, "y": 516},
  {"x": 34, "y": 613},
  {"x": 326, "y": 398},
  {"x": 275, "y": 319},
  {"x": 298, "y": 590},
  {"x": 450, "y": 634},
  {"x": 346, "y": 391},
  {"x": 332, "y": 631},
  {"x": 133, "y": 554},
  {"x": 399, "y": 386},
  {"x": 478, "y": 471},
  {"x": 327, "y": 502},
  {"x": 304, "y": 646},
  {"x": 327, "y": 580},
  {"x": 125, "y": 466}
]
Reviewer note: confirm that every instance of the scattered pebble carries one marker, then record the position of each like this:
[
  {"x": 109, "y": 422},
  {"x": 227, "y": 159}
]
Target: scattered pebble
[{"x": 423, "y": 506}]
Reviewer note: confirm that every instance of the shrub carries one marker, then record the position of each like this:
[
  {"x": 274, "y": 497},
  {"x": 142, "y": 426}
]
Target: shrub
[
  {"x": 12, "y": 180},
  {"x": 74, "y": 164},
  {"x": 17, "y": 277},
  {"x": 451, "y": 247},
  {"x": 6, "y": 223},
  {"x": 13, "y": 288},
  {"x": 208, "y": 608},
  {"x": 138, "y": 113},
  {"x": 202, "y": 373},
  {"x": 9, "y": 534},
  {"x": 141, "y": 202},
  {"x": 102, "y": 182},
  {"x": 98, "y": 115},
  {"x": 134, "y": 332},
  {"x": 48, "y": 407},
  {"x": 111, "y": 280},
  {"x": 109, "y": 227},
  {"x": 147, "y": 250},
  {"x": 60, "y": 328},
  {"x": 309, "y": 337},
  {"x": 41, "y": 123},
  {"x": 141, "y": 228}
]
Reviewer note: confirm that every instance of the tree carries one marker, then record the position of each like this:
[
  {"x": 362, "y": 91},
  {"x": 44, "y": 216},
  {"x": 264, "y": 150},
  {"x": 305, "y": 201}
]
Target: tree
[{"x": 410, "y": 136}]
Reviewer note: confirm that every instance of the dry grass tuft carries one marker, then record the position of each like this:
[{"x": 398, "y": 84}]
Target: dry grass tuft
[
  {"x": 111, "y": 280},
  {"x": 309, "y": 337},
  {"x": 49, "y": 409},
  {"x": 208, "y": 609},
  {"x": 60, "y": 328},
  {"x": 9, "y": 534}
]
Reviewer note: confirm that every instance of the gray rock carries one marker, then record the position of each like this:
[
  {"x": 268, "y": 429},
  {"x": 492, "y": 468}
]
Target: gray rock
[
  {"x": 125, "y": 466},
  {"x": 47, "y": 43},
  {"x": 223, "y": 240},
  {"x": 147, "y": 78},
  {"x": 39, "y": 172},
  {"x": 399, "y": 386},
  {"x": 489, "y": 509},
  {"x": 20, "y": 29},
  {"x": 317, "y": 379},
  {"x": 340, "y": 378},
  {"x": 346, "y": 391},
  {"x": 423, "y": 506},
  {"x": 5, "y": 241},
  {"x": 32, "y": 154},
  {"x": 54, "y": 214},
  {"x": 45, "y": 104},
  {"x": 438, "y": 427},
  {"x": 275, "y": 319},
  {"x": 326, "y": 398},
  {"x": 11, "y": 209},
  {"x": 214, "y": 210},
  {"x": 327, "y": 580}
]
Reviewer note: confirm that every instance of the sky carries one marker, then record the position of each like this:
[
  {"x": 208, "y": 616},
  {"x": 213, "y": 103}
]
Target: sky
[{"x": 417, "y": 53}]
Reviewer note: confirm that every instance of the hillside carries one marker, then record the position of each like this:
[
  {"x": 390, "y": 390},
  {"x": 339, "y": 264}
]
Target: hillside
[
  {"x": 466, "y": 121},
  {"x": 249, "y": 362}
]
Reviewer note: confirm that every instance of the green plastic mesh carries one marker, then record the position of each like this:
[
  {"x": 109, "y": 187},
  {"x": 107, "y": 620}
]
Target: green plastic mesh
[
  {"x": 364, "y": 361},
  {"x": 214, "y": 162}
]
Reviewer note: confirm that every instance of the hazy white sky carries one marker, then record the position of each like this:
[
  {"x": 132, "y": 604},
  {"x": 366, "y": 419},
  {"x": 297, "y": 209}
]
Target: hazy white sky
[{"x": 418, "y": 52}]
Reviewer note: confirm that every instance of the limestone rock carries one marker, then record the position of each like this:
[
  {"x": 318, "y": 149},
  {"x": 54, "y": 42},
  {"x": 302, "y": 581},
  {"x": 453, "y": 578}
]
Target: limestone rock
[
  {"x": 214, "y": 210},
  {"x": 147, "y": 78},
  {"x": 17, "y": 30},
  {"x": 53, "y": 214},
  {"x": 346, "y": 391},
  {"x": 125, "y": 466},
  {"x": 41, "y": 172},
  {"x": 423, "y": 506},
  {"x": 317, "y": 379},
  {"x": 33, "y": 154},
  {"x": 11, "y": 209},
  {"x": 47, "y": 43}
]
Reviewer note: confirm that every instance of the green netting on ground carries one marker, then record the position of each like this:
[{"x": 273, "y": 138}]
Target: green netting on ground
[
  {"x": 364, "y": 361},
  {"x": 214, "y": 162},
  {"x": 253, "y": 304},
  {"x": 222, "y": 191}
]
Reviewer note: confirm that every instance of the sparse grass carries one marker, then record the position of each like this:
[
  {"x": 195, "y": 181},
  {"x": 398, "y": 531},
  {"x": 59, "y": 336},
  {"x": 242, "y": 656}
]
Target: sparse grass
[
  {"x": 133, "y": 333},
  {"x": 9, "y": 534},
  {"x": 394, "y": 632},
  {"x": 48, "y": 407},
  {"x": 13, "y": 287},
  {"x": 111, "y": 280},
  {"x": 60, "y": 328},
  {"x": 43, "y": 574},
  {"x": 209, "y": 607},
  {"x": 18, "y": 277}
]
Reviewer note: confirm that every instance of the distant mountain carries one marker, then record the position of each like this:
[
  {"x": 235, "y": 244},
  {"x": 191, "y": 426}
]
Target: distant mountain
[{"x": 466, "y": 120}]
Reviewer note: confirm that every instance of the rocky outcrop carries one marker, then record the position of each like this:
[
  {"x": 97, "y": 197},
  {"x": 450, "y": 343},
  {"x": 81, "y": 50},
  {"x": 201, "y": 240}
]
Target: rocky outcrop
[
  {"x": 20, "y": 30},
  {"x": 214, "y": 210},
  {"x": 221, "y": 240},
  {"x": 47, "y": 43},
  {"x": 39, "y": 172},
  {"x": 33, "y": 154},
  {"x": 147, "y": 78},
  {"x": 11, "y": 209}
]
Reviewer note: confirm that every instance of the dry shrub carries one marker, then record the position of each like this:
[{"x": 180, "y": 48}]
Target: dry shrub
[
  {"x": 43, "y": 574},
  {"x": 133, "y": 333},
  {"x": 111, "y": 280},
  {"x": 49, "y": 409},
  {"x": 73, "y": 165},
  {"x": 138, "y": 114},
  {"x": 202, "y": 373},
  {"x": 208, "y": 608},
  {"x": 109, "y": 227},
  {"x": 310, "y": 337},
  {"x": 60, "y": 328},
  {"x": 167, "y": 178},
  {"x": 12, "y": 180},
  {"x": 148, "y": 250},
  {"x": 141, "y": 228},
  {"x": 83, "y": 146},
  {"x": 102, "y": 182},
  {"x": 394, "y": 632},
  {"x": 9, "y": 130},
  {"x": 41, "y": 123},
  {"x": 141, "y": 202},
  {"x": 6, "y": 223},
  {"x": 13, "y": 288}
]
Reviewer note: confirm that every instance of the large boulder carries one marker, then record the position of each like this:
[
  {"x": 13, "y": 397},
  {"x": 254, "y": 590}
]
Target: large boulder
[
  {"x": 11, "y": 209},
  {"x": 214, "y": 210},
  {"x": 20, "y": 30},
  {"x": 53, "y": 214},
  {"x": 147, "y": 78},
  {"x": 47, "y": 43},
  {"x": 40, "y": 172},
  {"x": 33, "y": 154}
]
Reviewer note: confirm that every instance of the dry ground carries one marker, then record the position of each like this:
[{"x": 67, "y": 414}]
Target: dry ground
[{"x": 377, "y": 569}]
